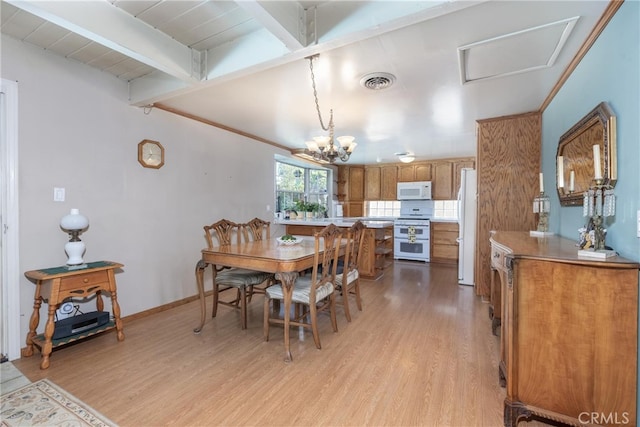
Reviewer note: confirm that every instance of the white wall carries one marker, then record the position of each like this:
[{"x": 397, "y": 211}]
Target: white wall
[{"x": 77, "y": 131}]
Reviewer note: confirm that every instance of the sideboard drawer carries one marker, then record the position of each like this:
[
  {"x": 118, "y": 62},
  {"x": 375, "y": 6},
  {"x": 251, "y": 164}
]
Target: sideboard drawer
[
  {"x": 84, "y": 280},
  {"x": 498, "y": 258}
]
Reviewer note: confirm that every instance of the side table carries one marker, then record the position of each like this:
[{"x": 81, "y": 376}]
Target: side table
[{"x": 59, "y": 283}]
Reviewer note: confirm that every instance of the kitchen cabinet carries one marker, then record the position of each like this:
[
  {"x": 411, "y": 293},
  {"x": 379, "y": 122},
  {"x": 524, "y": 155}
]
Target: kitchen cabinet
[
  {"x": 389, "y": 181},
  {"x": 377, "y": 248},
  {"x": 568, "y": 338},
  {"x": 508, "y": 164},
  {"x": 442, "y": 182},
  {"x": 356, "y": 183},
  {"x": 414, "y": 172},
  {"x": 444, "y": 244},
  {"x": 380, "y": 182},
  {"x": 457, "y": 174},
  {"x": 372, "y": 176}
]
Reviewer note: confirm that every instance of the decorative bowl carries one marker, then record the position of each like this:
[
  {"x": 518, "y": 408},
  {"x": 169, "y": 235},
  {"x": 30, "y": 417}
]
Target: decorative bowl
[{"x": 289, "y": 242}]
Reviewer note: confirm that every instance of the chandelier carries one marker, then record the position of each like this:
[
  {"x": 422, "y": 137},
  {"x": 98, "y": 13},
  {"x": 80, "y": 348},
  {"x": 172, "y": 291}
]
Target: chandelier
[{"x": 324, "y": 148}]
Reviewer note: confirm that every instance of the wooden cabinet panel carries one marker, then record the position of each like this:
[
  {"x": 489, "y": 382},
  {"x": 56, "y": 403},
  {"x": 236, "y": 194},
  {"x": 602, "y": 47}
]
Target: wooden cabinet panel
[
  {"x": 423, "y": 172},
  {"x": 356, "y": 183},
  {"x": 388, "y": 182},
  {"x": 568, "y": 339},
  {"x": 457, "y": 174},
  {"x": 406, "y": 173},
  {"x": 372, "y": 181},
  {"x": 508, "y": 164},
  {"x": 354, "y": 209},
  {"x": 442, "y": 182},
  {"x": 444, "y": 244}
]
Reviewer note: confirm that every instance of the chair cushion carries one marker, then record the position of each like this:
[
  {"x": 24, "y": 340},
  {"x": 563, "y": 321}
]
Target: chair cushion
[
  {"x": 351, "y": 277},
  {"x": 301, "y": 291},
  {"x": 239, "y": 277}
]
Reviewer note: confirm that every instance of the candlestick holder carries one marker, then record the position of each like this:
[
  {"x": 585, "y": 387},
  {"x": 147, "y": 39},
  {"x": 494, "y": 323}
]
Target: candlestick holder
[
  {"x": 599, "y": 203},
  {"x": 542, "y": 207}
]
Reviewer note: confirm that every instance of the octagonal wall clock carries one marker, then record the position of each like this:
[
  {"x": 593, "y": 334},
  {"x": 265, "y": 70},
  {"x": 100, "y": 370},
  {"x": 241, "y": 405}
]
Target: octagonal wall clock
[{"x": 151, "y": 154}]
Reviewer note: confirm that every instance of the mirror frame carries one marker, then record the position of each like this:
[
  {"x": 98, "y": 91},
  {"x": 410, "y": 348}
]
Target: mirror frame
[{"x": 600, "y": 116}]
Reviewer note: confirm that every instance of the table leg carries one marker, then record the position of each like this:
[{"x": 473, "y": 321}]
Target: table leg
[
  {"x": 200, "y": 267},
  {"x": 34, "y": 322},
  {"x": 48, "y": 334},
  {"x": 288, "y": 281}
]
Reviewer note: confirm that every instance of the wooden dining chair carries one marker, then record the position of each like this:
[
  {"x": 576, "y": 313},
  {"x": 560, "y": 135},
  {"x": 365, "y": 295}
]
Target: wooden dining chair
[
  {"x": 313, "y": 293},
  {"x": 348, "y": 281},
  {"x": 237, "y": 280},
  {"x": 257, "y": 230}
]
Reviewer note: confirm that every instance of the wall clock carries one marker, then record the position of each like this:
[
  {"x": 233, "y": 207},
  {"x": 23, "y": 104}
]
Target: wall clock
[{"x": 151, "y": 154}]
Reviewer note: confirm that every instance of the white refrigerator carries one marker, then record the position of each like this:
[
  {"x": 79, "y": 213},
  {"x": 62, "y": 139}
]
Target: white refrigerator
[{"x": 467, "y": 226}]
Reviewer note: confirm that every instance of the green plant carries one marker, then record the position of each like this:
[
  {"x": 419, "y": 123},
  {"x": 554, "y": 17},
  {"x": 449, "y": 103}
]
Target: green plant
[{"x": 302, "y": 206}]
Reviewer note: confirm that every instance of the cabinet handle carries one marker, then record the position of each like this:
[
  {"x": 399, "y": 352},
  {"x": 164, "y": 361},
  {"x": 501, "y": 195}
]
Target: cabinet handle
[{"x": 496, "y": 255}]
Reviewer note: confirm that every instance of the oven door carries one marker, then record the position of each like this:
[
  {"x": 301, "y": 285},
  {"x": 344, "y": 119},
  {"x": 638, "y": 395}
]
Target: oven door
[{"x": 416, "y": 251}]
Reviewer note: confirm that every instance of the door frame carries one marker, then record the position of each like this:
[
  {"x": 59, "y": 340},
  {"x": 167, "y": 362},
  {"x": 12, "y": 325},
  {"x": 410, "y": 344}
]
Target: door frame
[{"x": 9, "y": 232}]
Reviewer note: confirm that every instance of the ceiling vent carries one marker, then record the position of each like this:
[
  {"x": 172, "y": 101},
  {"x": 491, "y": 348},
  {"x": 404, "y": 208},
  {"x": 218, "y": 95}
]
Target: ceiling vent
[{"x": 377, "y": 81}]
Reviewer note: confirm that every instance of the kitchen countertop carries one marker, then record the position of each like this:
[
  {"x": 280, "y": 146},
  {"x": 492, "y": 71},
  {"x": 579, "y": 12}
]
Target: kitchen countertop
[{"x": 340, "y": 222}]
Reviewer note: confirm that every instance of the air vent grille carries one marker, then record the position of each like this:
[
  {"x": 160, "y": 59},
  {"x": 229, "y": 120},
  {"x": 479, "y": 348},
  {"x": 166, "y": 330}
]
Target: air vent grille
[{"x": 377, "y": 81}]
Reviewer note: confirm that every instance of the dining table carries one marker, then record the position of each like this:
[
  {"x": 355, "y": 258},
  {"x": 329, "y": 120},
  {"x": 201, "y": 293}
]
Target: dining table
[{"x": 286, "y": 261}]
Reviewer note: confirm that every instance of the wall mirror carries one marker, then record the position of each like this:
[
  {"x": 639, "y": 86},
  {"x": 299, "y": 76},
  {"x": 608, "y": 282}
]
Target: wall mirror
[{"x": 575, "y": 166}]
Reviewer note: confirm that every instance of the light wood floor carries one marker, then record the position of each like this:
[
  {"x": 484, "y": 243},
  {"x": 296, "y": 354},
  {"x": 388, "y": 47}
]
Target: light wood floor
[{"x": 420, "y": 354}]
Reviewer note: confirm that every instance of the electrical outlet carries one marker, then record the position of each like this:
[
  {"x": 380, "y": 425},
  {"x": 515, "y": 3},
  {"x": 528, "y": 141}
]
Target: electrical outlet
[
  {"x": 58, "y": 194},
  {"x": 638, "y": 225}
]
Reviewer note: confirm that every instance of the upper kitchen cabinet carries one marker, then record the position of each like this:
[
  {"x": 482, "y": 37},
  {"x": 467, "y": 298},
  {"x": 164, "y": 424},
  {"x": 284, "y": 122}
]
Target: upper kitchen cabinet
[
  {"x": 457, "y": 168},
  {"x": 388, "y": 185},
  {"x": 380, "y": 182},
  {"x": 442, "y": 182},
  {"x": 356, "y": 183},
  {"x": 414, "y": 172},
  {"x": 372, "y": 182}
]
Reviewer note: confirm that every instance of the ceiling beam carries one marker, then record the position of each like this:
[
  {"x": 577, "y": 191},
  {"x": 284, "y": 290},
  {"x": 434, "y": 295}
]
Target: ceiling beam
[
  {"x": 285, "y": 20},
  {"x": 103, "y": 23}
]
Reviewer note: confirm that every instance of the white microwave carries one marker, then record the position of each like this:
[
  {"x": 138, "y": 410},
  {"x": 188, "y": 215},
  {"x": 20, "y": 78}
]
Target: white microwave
[{"x": 418, "y": 190}]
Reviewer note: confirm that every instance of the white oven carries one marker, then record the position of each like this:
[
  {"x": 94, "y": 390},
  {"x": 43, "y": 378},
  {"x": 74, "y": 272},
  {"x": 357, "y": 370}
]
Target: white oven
[{"x": 411, "y": 239}]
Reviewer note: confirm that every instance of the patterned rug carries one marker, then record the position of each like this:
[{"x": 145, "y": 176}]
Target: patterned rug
[{"x": 44, "y": 404}]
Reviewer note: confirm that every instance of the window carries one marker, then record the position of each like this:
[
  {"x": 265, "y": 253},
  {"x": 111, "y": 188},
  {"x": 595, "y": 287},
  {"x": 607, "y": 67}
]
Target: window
[
  {"x": 296, "y": 184},
  {"x": 445, "y": 209},
  {"x": 383, "y": 208}
]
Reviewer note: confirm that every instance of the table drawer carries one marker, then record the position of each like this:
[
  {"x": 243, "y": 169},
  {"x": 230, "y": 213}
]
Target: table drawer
[{"x": 84, "y": 280}]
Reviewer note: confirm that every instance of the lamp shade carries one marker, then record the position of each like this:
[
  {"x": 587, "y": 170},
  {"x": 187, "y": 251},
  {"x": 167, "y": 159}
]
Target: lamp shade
[{"x": 74, "y": 221}]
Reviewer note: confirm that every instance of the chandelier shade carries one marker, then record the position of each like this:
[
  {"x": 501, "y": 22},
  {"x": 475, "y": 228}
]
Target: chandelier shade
[{"x": 324, "y": 148}]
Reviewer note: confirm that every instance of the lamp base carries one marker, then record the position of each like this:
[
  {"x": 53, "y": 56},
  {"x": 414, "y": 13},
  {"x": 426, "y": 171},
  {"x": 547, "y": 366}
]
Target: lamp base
[
  {"x": 75, "y": 251},
  {"x": 76, "y": 267},
  {"x": 599, "y": 254}
]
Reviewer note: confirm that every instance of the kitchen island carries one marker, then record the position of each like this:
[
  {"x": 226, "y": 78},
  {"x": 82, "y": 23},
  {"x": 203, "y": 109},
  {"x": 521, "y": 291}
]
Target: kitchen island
[{"x": 377, "y": 249}]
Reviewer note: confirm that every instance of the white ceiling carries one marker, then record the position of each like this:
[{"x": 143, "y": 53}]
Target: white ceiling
[{"x": 241, "y": 64}]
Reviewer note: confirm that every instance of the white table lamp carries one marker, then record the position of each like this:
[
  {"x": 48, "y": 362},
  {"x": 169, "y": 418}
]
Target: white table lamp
[{"x": 74, "y": 223}]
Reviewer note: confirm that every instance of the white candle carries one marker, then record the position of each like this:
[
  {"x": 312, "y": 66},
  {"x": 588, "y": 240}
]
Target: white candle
[
  {"x": 541, "y": 183},
  {"x": 560, "y": 172},
  {"x": 596, "y": 162},
  {"x": 572, "y": 180}
]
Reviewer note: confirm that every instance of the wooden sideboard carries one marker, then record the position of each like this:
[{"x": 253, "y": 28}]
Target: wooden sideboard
[{"x": 569, "y": 329}]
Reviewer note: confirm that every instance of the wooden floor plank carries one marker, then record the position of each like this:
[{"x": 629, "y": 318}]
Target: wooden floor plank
[{"x": 421, "y": 353}]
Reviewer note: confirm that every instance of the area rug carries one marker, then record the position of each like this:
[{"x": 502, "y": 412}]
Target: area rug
[{"x": 43, "y": 403}]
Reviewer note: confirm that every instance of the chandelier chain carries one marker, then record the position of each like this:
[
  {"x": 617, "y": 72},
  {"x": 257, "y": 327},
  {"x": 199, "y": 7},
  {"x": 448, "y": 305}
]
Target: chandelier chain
[{"x": 315, "y": 96}]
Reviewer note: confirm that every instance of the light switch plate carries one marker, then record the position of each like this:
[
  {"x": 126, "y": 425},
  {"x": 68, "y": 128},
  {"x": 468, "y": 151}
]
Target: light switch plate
[
  {"x": 58, "y": 194},
  {"x": 638, "y": 225}
]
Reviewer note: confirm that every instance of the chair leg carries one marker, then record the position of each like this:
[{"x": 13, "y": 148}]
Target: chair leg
[
  {"x": 332, "y": 310},
  {"x": 243, "y": 307},
  {"x": 356, "y": 287},
  {"x": 215, "y": 300},
  {"x": 345, "y": 302},
  {"x": 314, "y": 324},
  {"x": 266, "y": 318}
]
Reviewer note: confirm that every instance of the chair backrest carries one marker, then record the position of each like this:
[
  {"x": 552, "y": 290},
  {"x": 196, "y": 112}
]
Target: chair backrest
[
  {"x": 224, "y": 231},
  {"x": 257, "y": 229},
  {"x": 355, "y": 239},
  {"x": 325, "y": 265}
]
